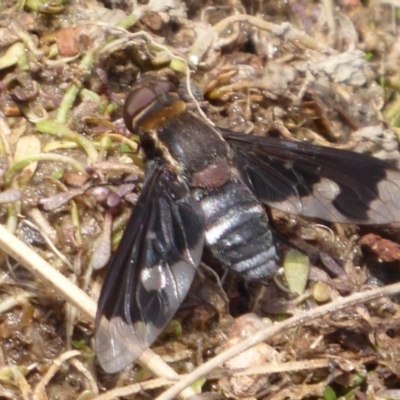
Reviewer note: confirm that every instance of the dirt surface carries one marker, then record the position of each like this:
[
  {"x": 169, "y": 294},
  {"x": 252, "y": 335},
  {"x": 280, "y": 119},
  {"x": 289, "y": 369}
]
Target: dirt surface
[{"x": 324, "y": 71}]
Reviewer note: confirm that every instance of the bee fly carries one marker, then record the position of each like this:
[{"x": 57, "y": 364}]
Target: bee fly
[{"x": 208, "y": 187}]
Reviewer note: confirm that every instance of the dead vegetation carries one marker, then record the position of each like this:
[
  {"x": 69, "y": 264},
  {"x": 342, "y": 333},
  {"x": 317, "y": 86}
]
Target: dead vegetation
[{"x": 326, "y": 72}]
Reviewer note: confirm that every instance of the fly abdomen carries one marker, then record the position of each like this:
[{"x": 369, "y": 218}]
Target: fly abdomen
[{"x": 237, "y": 231}]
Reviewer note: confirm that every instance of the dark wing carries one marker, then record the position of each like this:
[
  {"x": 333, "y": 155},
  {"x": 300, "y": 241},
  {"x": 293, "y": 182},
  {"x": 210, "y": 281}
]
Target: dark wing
[
  {"x": 151, "y": 272},
  {"x": 314, "y": 181}
]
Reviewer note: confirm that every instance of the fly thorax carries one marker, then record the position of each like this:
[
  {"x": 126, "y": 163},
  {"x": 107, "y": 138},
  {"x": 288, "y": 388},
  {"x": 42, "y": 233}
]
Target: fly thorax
[{"x": 197, "y": 148}]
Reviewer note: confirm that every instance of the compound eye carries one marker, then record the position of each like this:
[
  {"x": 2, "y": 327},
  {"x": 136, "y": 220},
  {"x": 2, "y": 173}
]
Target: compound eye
[{"x": 140, "y": 100}]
